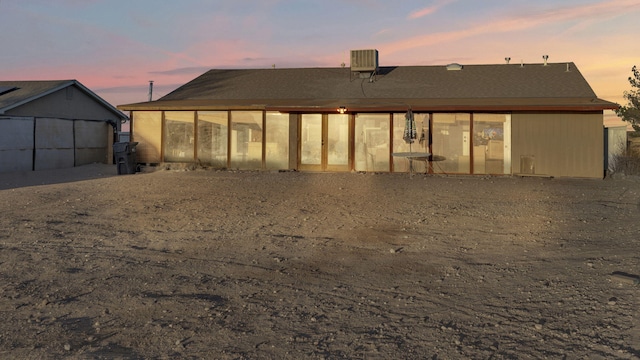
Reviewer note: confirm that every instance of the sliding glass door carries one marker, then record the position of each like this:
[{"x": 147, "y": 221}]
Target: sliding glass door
[{"x": 324, "y": 142}]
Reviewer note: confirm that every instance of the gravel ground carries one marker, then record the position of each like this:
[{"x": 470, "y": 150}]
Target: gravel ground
[{"x": 209, "y": 264}]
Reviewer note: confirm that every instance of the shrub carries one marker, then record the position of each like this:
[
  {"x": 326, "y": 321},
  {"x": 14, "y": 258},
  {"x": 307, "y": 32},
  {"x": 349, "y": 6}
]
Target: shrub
[{"x": 626, "y": 163}]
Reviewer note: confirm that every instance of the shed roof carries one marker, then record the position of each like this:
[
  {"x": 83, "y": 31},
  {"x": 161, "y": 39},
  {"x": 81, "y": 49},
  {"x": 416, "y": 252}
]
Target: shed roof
[
  {"x": 17, "y": 93},
  {"x": 554, "y": 86}
]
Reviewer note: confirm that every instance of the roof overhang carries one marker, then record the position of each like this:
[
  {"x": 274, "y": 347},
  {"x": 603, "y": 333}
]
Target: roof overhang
[
  {"x": 100, "y": 100},
  {"x": 381, "y": 105}
]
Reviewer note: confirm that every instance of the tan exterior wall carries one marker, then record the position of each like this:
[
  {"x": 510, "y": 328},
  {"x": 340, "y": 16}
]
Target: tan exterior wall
[
  {"x": 147, "y": 131},
  {"x": 556, "y": 144},
  {"x": 560, "y": 145}
]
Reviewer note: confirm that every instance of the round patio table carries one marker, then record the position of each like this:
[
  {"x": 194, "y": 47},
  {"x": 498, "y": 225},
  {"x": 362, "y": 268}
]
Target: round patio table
[{"x": 421, "y": 156}]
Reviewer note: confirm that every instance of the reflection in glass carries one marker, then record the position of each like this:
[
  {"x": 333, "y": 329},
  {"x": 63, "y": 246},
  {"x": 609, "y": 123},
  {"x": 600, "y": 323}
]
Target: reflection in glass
[
  {"x": 338, "y": 139},
  {"x": 179, "y": 136},
  {"x": 246, "y": 140},
  {"x": 212, "y": 138},
  {"x": 421, "y": 144},
  {"x": 372, "y": 140},
  {"x": 488, "y": 143},
  {"x": 277, "y": 141},
  {"x": 451, "y": 140},
  {"x": 311, "y": 139}
]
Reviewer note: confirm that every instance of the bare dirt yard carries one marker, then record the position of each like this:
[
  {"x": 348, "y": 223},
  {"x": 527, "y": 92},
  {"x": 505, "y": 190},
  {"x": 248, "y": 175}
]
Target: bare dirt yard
[{"x": 208, "y": 264}]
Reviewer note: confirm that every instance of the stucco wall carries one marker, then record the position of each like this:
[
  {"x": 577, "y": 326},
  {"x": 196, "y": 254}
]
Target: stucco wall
[{"x": 560, "y": 145}]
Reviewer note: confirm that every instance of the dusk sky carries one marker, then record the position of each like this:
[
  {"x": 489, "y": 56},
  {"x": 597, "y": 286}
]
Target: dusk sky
[{"x": 115, "y": 47}]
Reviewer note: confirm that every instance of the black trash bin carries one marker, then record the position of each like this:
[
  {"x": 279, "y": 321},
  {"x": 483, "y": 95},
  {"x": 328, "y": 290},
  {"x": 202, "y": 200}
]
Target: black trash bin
[{"x": 125, "y": 157}]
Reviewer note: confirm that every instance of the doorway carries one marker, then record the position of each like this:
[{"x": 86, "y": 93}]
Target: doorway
[{"x": 324, "y": 142}]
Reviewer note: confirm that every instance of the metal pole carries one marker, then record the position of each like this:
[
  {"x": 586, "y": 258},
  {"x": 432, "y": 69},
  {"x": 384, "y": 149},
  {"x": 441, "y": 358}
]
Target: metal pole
[{"x": 150, "y": 90}]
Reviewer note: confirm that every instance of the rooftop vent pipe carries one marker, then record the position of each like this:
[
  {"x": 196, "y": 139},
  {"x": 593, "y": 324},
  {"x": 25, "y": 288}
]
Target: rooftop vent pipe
[
  {"x": 507, "y": 59},
  {"x": 545, "y": 57},
  {"x": 150, "y": 90}
]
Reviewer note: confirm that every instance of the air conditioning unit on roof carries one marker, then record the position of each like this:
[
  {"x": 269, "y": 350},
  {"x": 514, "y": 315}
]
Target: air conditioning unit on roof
[{"x": 364, "y": 60}]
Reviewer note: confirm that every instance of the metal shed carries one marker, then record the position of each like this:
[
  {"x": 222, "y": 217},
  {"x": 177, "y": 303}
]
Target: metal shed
[{"x": 54, "y": 124}]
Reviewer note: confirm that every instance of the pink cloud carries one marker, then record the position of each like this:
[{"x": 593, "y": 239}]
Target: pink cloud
[
  {"x": 517, "y": 22},
  {"x": 430, "y": 9}
]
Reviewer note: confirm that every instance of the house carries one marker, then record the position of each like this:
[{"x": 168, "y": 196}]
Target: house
[
  {"x": 54, "y": 124},
  {"x": 533, "y": 119}
]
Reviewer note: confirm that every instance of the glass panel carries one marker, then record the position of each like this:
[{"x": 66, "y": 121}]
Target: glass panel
[
  {"x": 277, "y": 141},
  {"x": 147, "y": 131},
  {"x": 421, "y": 144},
  {"x": 372, "y": 139},
  {"x": 488, "y": 143},
  {"x": 338, "y": 139},
  {"x": 179, "y": 136},
  {"x": 311, "y": 139},
  {"x": 246, "y": 140},
  {"x": 212, "y": 138},
  {"x": 451, "y": 143}
]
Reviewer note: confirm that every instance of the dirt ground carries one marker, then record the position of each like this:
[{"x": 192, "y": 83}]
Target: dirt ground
[{"x": 208, "y": 264}]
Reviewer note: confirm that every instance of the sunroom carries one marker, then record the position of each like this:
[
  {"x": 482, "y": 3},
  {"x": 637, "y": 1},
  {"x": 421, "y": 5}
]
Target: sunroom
[
  {"x": 534, "y": 119},
  {"x": 272, "y": 140}
]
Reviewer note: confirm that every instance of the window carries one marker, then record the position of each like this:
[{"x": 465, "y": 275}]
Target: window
[
  {"x": 420, "y": 144},
  {"x": 213, "y": 132},
  {"x": 451, "y": 143},
  {"x": 372, "y": 142},
  {"x": 246, "y": 140},
  {"x": 276, "y": 141},
  {"x": 179, "y": 136},
  {"x": 490, "y": 145}
]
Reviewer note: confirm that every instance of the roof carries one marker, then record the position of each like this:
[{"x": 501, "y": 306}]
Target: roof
[
  {"x": 506, "y": 87},
  {"x": 17, "y": 93}
]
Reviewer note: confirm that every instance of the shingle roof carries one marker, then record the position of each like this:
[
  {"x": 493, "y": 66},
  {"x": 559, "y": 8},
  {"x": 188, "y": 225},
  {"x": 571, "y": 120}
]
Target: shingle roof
[
  {"x": 507, "y": 86},
  {"x": 18, "y": 93}
]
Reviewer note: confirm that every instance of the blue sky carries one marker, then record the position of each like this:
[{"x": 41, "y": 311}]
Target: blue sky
[{"x": 115, "y": 47}]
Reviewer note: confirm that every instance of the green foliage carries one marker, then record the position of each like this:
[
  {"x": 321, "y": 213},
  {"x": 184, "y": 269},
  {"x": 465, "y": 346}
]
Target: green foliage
[{"x": 631, "y": 112}]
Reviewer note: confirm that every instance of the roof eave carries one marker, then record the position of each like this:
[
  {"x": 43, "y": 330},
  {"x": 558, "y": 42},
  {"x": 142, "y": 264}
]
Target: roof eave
[
  {"x": 104, "y": 103},
  {"x": 371, "y": 105},
  {"x": 443, "y": 108},
  {"x": 163, "y": 107}
]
